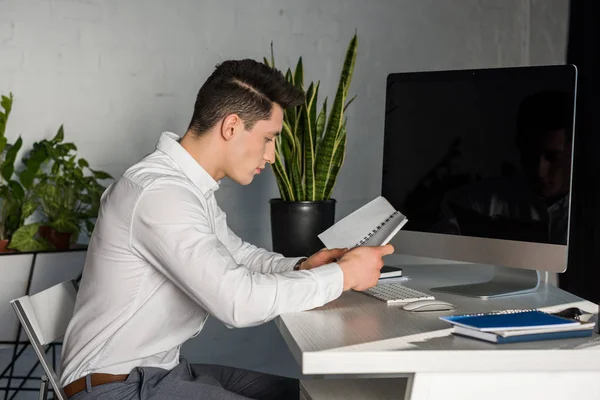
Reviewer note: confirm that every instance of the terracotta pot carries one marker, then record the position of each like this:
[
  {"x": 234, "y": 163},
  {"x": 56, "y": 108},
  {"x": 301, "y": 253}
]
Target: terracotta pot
[
  {"x": 4, "y": 245},
  {"x": 60, "y": 240}
]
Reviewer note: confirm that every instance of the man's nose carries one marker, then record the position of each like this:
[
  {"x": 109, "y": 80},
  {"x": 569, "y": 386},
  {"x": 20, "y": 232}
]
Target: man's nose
[{"x": 269, "y": 155}]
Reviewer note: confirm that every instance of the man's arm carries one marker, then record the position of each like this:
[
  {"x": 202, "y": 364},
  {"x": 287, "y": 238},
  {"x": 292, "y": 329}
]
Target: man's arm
[
  {"x": 170, "y": 229},
  {"x": 253, "y": 257}
]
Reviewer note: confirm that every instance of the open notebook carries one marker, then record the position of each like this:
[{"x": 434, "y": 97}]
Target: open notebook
[{"x": 374, "y": 224}]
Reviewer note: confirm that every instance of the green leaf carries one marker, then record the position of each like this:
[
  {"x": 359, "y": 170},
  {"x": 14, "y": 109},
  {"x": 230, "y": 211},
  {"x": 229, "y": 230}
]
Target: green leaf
[
  {"x": 6, "y": 103},
  {"x": 26, "y": 177},
  {"x": 17, "y": 191},
  {"x": 60, "y": 135},
  {"x": 83, "y": 163},
  {"x": 67, "y": 147},
  {"x": 321, "y": 125},
  {"x": 65, "y": 224},
  {"x": 327, "y": 148},
  {"x": 299, "y": 75},
  {"x": 349, "y": 102},
  {"x": 8, "y": 166},
  {"x": 101, "y": 174},
  {"x": 289, "y": 77},
  {"x": 338, "y": 161},
  {"x": 283, "y": 182},
  {"x": 23, "y": 239},
  {"x": 28, "y": 208},
  {"x": 326, "y": 171},
  {"x": 55, "y": 167},
  {"x": 309, "y": 148},
  {"x": 3, "y": 142}
]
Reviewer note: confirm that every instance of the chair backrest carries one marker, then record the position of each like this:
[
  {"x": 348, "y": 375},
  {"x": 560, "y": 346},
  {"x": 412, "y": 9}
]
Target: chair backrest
[{"x": 44, "y": 317}]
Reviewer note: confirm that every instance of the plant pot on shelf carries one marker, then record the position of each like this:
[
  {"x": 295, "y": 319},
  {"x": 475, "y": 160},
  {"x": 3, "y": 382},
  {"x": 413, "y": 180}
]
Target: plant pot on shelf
[
  {"x": 4, "y": 245},
  {"x": 296, "y": 224},
  {"x": 60, "y": 240}
]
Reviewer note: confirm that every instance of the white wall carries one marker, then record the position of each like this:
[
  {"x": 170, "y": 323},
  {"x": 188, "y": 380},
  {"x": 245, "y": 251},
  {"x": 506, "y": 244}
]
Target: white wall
[{"x": 118, "y": 72}]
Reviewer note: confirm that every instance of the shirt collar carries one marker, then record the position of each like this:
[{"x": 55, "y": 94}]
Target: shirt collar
[{"x": 169, "y": 144}]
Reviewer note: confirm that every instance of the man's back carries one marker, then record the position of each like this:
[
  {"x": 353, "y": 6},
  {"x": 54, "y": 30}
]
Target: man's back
[{"x": 125, "y": 308}]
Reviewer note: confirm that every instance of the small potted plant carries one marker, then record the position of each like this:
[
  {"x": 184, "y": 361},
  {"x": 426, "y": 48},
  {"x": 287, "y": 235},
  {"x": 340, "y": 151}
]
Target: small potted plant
[
  {"x": 67, "y": 191},
  {"x": 16, "y": 202},
  {"x": 308, "y": 156}
]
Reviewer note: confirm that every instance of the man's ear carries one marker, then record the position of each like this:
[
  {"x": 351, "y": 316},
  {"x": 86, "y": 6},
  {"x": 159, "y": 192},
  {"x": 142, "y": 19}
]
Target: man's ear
[{"x": 230, "y": 125}]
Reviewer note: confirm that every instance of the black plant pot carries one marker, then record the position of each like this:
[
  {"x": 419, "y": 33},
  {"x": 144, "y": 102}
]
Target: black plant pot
[{"x": 296, "y": 224}]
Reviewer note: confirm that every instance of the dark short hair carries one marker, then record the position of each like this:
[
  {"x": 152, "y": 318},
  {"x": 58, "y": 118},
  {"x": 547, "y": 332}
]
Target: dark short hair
[
  {"x": 243, "y": 87},
  {"x": 543, "y": 112}
]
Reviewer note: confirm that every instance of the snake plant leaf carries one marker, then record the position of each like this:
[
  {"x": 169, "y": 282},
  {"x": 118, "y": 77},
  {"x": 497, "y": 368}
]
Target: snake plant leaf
[
  {"x": 327, "y": 147},
  {"x": 349, "y": 102},
  {"x": 339, "y": 156},
  {"x": 321, "y": 119},
  {"x": 272, "y": 56},
  {"x": 313, "y": 114},
  {"x": 326, "y": 160},
  {"x": 299, "y": 75},
  {"x": 283, "y": 181},
  {"x": 309, "y": 145}
]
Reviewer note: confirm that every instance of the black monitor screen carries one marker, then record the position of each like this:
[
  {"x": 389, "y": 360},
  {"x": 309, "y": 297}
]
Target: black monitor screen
[{"x": 484, "y": 153}]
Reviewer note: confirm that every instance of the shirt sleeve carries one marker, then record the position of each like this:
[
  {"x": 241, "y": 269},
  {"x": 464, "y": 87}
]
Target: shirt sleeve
[
  {"x": 253, "y": 257},
  {"x": 171, "y": 229}
]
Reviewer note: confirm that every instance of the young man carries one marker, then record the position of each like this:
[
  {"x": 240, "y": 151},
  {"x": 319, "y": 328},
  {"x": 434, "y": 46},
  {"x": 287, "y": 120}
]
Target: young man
[{"x": 162, "y": 259}]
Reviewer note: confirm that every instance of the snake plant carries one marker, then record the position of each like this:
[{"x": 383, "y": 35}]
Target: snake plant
[{"x": 311, "y": 148}]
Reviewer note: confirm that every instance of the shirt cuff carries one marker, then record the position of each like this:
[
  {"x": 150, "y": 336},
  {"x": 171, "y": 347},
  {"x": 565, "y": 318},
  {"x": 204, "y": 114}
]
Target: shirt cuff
[
  {"x": 287, "y": 264},
  {"x": 331, "y": 281}
]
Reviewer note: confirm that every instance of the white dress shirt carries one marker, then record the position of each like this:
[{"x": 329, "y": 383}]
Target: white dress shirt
[{"x": 161, "y": 259}]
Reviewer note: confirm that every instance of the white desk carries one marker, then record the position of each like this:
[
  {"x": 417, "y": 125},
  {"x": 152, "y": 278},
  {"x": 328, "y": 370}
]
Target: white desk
[{"x": 357, "y": 334}]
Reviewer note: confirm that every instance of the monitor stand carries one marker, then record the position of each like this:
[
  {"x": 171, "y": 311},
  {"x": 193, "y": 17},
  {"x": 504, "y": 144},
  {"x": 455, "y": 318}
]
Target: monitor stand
[{"x": 505, "y": 282}]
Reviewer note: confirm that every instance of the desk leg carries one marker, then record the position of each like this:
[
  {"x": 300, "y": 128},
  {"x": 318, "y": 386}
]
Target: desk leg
[{"x": 578, "y": 385}]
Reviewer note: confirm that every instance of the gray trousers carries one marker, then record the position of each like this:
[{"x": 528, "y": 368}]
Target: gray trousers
[{"x": 194, "y": 381}]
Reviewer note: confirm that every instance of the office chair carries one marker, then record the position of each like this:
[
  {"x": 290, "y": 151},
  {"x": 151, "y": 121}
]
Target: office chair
[{"x": 44, "y": 317}]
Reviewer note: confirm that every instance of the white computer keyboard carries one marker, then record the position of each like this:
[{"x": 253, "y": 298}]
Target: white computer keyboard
[{"x": 396, "y": 293}]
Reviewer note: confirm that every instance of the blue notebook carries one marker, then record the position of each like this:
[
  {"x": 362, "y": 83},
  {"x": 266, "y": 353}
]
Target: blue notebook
[
  {"x": 504, "y": 321},
  {"x": 527, "y": 337}
]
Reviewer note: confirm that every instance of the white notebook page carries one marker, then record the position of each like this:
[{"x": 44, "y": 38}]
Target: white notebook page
[{"x": 375, "y": 221}]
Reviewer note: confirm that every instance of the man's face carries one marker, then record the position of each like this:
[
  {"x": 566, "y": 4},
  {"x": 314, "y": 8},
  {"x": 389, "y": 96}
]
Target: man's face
[
  {"x": 251, "y": 150},
  {"x": 548, "y": 164}
]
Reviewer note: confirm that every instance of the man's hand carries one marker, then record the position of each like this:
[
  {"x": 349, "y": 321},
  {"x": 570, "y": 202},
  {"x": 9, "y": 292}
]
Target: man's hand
[
  {"x": 322, "y": 257},
  {"x": 362, "y": 266}
]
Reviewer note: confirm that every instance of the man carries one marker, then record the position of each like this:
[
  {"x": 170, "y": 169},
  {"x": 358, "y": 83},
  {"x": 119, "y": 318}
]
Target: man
[{"x": 162, "y": 259}]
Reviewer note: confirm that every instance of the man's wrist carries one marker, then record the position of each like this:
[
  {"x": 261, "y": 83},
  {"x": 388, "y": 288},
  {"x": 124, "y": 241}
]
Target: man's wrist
[{"x": 298, "y": 265}]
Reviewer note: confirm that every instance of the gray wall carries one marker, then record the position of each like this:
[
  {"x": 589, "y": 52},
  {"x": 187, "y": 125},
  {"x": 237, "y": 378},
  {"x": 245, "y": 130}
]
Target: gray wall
[{"x": 117, "y": 73}]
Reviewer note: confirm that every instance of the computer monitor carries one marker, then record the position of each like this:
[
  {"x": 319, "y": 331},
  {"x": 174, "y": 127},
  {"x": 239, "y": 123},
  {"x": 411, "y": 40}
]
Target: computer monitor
[{"x": 480, "y": 162}]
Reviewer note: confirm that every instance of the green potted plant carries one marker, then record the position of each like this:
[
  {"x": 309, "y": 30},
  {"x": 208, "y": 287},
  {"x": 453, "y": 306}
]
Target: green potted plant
[
  {"x": 16, "y": 198},
  {"x": 69, "y": 198},
  {"x": 309, "y": 155}
]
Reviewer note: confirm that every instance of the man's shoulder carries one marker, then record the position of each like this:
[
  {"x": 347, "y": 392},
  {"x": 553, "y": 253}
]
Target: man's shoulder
[{"x": 155, "y": 169}]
